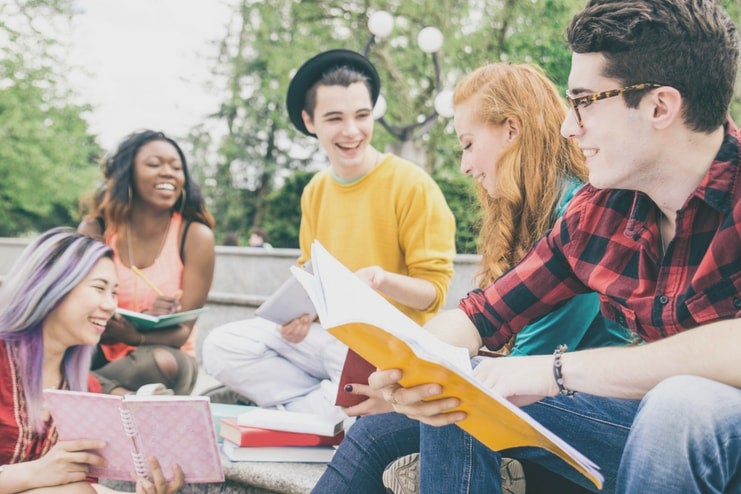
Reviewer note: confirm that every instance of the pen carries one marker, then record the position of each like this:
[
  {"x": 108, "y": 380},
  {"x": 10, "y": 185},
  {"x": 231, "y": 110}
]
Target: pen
[{"x": 149, "y": 282}]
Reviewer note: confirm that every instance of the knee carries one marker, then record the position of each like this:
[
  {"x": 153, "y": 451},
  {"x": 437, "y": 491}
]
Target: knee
[
  {"x": 239, "y": 341},
  {"x": 688, "y": 408},
  {"x": 166, "y": 363}
]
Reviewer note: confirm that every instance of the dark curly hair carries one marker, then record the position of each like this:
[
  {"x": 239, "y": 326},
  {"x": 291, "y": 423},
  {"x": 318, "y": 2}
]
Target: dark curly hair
[{"x": 111, "y": 201}]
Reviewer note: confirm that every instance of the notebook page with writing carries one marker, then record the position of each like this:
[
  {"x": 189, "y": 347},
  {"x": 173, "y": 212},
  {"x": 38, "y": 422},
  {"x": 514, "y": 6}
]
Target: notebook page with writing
[{"x": 368, "y": 324}]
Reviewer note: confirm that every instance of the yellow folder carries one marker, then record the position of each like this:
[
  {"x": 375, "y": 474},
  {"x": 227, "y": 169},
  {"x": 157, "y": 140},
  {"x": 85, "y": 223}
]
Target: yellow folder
[{"x": 380, "y": 333}]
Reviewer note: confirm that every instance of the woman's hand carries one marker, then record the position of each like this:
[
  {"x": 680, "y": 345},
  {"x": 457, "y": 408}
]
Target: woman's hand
[
  {"x": 67, "y": 462},
  {"x": 374, "y": 404},
  {"x": 418, "y": 402},
  {"x": 164, "y": 304},
  {"x": 158, "y": 484},
  {"x": 120, "y": 330}
]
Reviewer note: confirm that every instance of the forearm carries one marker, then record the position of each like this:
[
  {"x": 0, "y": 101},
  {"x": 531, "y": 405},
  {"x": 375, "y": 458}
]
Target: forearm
[
  {"x": 174, "y": 337},
  {"x": 709, "y": 351},
  {"x": 454, "y": 327},
  {"x": 413, "y": 292},
  {"x": 15, "y": 478}
]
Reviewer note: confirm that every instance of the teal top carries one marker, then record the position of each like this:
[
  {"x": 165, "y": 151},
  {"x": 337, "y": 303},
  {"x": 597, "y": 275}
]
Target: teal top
[{"x": 578, "y": 323}]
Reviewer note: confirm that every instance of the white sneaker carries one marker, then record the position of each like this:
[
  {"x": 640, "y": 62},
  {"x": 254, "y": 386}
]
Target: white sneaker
[
  {"x": 154, "y": 389},
  {"x": 402, "y": 476}
]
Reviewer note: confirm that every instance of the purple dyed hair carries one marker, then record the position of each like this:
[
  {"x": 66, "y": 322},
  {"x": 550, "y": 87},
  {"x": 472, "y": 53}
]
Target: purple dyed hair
[{"x": 47, "y": 270}]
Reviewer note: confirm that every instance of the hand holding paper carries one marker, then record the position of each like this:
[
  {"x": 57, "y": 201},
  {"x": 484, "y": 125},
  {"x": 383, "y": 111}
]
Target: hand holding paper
[{"x": 381, "y": 334}]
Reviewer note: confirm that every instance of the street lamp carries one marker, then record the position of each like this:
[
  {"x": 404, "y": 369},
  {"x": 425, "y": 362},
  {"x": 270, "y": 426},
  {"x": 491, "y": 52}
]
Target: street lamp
[{"x": 429, "y": 40}]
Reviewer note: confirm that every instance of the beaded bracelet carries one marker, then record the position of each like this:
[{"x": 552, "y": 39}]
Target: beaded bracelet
[{"x": 560, "y": 350}]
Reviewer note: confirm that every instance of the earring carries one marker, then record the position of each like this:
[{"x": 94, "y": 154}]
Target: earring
[{"x": 131, "y": 195}]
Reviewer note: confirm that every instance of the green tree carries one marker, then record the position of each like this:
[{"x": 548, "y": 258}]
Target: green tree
[
  {"x": 283, "y": 210},
  {"x": 47, "y": 159},
  {"x": 267, "y": 41}
]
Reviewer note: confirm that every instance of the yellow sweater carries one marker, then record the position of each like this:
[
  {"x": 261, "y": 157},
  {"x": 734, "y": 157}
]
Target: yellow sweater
[{"x": 395, "y": 217}]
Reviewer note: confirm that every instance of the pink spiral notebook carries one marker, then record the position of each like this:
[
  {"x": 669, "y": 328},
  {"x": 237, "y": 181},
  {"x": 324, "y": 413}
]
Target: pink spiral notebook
[{"x": 174, "y": 429}]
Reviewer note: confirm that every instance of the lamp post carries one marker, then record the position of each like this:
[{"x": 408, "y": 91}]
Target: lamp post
[{"x": 429, "y": 40}]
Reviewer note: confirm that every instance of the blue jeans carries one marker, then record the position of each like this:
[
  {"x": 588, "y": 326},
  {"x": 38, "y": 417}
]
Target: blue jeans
[
  {"x": 683, "y": 437},
  {"x": 369, "y": 446}
]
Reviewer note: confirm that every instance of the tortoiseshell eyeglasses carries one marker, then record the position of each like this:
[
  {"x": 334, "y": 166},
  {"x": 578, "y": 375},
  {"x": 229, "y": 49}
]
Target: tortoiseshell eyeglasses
[{"x": 585, "y": 101}]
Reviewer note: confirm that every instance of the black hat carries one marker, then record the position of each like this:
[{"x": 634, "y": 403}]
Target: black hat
[{"x": 313, "y": 69}]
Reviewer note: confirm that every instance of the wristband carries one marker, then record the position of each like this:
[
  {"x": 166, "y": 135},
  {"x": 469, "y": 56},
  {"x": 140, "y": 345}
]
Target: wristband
[{"x": 560, "y": 350}]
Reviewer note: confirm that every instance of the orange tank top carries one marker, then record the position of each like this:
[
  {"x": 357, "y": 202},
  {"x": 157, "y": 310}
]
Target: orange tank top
[{"x": 135, "y": 294}]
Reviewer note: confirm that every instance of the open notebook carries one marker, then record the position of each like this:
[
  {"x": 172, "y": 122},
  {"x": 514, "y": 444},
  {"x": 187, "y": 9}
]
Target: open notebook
[{"x": 174, "y": 429}]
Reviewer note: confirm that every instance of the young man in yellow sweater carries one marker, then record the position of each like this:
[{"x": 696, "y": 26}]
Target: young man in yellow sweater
[{"x": 382, "y": 216}]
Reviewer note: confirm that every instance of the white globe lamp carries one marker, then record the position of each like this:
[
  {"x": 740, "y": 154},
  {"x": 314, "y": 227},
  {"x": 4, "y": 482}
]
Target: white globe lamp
[
  {"x": 381, "y": 24},
  {"x": 430, "y": 39}
]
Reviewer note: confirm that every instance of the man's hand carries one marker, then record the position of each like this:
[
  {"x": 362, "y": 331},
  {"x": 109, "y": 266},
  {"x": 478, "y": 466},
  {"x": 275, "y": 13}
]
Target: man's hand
[
  {"x": 373, "y": 276},
  {"x": 296, "y": 330},
  {"x": 521, "y": 380}
]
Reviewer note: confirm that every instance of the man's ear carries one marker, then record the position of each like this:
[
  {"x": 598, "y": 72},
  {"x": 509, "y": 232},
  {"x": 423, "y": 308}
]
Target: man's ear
[
  {"x": 514, "y": 128},
  {"x": 307, "y": 121},
  {"x": 666, "y": 105}
]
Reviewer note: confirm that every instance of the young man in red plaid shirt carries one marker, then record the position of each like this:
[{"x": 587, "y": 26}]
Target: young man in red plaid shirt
[{"x": 657, "y": 233}]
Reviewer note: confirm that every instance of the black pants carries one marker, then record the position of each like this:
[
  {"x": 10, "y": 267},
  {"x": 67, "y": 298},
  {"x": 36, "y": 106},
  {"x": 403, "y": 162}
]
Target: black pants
[{"x": 139, "y": 368}]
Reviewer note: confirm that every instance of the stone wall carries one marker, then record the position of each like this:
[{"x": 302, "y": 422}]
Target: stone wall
[{"x": 244, "y": 277}]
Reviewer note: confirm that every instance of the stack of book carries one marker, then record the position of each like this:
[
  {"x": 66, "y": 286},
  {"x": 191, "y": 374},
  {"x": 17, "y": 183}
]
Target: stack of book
[{"x": 264, "y": 435}]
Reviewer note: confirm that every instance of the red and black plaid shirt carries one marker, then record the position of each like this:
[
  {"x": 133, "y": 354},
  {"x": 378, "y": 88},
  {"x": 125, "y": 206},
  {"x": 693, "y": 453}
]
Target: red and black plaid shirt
[{"x": 608, "y": 242}]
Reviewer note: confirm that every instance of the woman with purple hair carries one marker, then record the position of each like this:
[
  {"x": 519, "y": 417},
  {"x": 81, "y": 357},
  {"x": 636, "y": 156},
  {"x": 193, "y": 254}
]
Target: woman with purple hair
[{"x": 54, "y": 305}]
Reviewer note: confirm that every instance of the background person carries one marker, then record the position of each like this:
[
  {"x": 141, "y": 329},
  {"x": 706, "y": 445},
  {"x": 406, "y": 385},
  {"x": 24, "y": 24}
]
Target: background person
[
  {"x": 153, "y": 216},
  {"x": 258, "y": 238}
]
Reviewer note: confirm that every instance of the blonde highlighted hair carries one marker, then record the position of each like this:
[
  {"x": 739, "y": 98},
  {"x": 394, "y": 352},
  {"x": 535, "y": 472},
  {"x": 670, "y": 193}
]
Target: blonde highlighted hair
[{"x": 532, "y": 174}]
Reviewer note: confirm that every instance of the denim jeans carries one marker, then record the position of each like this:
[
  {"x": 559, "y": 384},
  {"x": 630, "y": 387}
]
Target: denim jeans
[
  {"x": 685, "y": 438},
  {"x": 369, "y": 446}
]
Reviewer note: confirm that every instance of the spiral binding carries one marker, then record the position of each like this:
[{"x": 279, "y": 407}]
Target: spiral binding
[
  {"x": 128, "y": 422},
  {"x": 139, "y": 459},
  {"x": 140, "y": 465}
]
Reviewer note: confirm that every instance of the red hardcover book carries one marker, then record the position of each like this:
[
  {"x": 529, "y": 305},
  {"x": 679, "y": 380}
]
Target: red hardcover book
[
  {"x": 355, "y": 371},
  {"x": 245, "y": 436}
]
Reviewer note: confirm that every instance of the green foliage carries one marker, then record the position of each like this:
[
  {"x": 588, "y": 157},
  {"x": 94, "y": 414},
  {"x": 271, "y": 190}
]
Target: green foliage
[
  {"x": 460, "y": 193},
  {"x": 267, "y": 41},
  {"x": 47, "y": 157},
  {"x": 283, "y": 210}
]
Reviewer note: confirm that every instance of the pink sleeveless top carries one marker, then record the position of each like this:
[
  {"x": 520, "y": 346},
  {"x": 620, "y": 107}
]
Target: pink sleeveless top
[{"x": 135, "y": 294}]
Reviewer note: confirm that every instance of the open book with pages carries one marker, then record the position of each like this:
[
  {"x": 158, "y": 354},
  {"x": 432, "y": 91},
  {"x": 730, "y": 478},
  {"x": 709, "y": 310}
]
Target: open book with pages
[{"x": 384, "y": 336}]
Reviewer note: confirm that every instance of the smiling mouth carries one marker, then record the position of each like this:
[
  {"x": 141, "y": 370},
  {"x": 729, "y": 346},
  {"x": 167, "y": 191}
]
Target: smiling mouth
[
  {"x": 347, "y": 147},
  {"x": 169, "y": 187},
  {"x": 589, "y": 153},
  {"x": 101, "y": 323}
]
